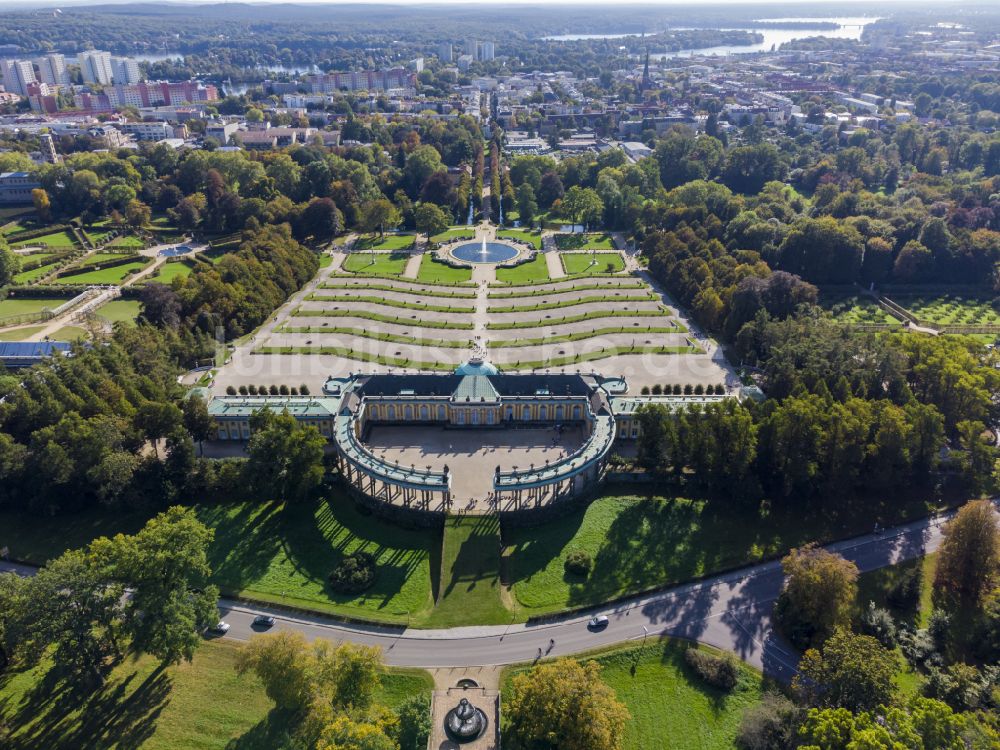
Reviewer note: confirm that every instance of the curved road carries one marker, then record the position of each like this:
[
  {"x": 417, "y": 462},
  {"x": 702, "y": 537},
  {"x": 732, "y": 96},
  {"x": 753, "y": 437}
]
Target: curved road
[{"x": 729, "y": 611}]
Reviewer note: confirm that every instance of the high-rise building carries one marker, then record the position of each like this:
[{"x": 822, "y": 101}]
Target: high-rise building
[
  {"x": 486, "y": 51},
  {"x": 472, "y": 48},
  {"x": 96, "y": 67},
  {"x": 52, "y": 70},
  {"x": 445, "y": 52},
  {"x": 17, "y": 75},
  {"x": 125, "y": 70}
]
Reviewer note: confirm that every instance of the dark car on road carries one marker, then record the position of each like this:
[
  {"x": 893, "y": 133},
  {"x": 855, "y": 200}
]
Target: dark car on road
[{"x": 263, "y": 621}]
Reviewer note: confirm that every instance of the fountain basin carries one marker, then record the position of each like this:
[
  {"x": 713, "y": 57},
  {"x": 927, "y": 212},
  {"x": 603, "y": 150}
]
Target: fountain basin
[{"x": 489, "y": 252}]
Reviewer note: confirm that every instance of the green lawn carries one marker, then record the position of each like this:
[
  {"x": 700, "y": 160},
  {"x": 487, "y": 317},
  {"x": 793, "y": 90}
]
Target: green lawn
[
  {"x": 524, "y": 235},
  {"x": 120, "y": 310},
  {"x": 69, "y": 333},
  {"x": 433, "y": 270},
  {"x": 202, "y": 705},
  {"x": 39, "y": 256},
  {"x": 470, "y": 574},
  {"x": 26, "y": 277},
  {"x": 114, "y": 275},
  {"x": 586, "y": 264},
  {"x": 585, "y": 241},
  {"x": 671, "y": 707},
  {"x": 639, "y": 543},
  {"x": 392, "y": 264},
  {"x": 453, "y": 234},
  {"x": 98, "y": 235},
  {"x": 950, "y": 309},
  {"x": 99, "y": 258},
  {"x": 389, "y": 242},
  {"x": 857, "y": 309},
  {"x": 535, "y": 271},
  {"x": 128, "y": 241},
  {"x": 19, "y": 334},
  {"x": 170, "y": 271},
  {"x": 16, "y": 306},
  {"x": 63, "y": 240},
  {"x": 273, "y": 552}
]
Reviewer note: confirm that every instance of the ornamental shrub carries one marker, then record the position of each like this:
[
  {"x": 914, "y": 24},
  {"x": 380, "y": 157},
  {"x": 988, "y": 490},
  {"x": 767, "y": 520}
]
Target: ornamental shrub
[
  {"x": 578, "y": 563},
  {"x": 354, "y": 574},
  {"x": 718, "y": 671}
]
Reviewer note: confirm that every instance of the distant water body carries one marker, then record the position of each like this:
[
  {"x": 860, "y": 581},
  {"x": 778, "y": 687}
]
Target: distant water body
[{"x": 848, "y": 28}]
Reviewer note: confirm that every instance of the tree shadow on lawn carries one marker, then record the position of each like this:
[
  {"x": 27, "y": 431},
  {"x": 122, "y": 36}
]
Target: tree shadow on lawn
[
  {"x": 533, "y": 548},
  {"x": 58, "y": 714},
  {"x": 316, "y": 540},
  {"x": 244, "y": 544},
  {"x": 658, "y": 541},
  {"x": 477, "y": 561},
  {"x": 270, "y": 733}
]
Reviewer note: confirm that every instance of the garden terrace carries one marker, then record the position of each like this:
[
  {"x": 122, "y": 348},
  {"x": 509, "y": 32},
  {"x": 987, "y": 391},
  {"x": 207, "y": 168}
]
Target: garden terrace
[
  {"x": 586, "y": 264},
  {"x": 585, "y": 241},
  {"x": 412, "y": 287},
  {"x": 376, "y": 264}
]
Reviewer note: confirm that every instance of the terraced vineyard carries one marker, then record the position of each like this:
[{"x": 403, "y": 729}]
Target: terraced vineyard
[{"x": 370, "y": 315}]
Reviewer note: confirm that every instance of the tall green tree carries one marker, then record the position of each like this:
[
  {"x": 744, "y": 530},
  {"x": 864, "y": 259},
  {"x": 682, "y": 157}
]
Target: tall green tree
[
  {"x": 561, "y": 705},
  {"x": 165, "y": 567},
  {"x": 285, "y": 457},
  {"x": 968, "y": 565},
  {"x": 819, "y": 594},
  {"x": 851, "y": 671}
]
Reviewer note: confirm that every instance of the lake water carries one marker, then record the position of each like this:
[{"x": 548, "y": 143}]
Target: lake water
[{"x": 849, "y": 27}]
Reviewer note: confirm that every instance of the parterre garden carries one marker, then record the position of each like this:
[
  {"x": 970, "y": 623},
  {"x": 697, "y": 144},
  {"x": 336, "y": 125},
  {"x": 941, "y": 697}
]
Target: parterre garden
[{"x": 951, "y": 309}]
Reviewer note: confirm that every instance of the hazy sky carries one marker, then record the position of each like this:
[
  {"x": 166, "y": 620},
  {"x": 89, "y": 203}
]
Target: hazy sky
[{"x": 822, "y": 7}]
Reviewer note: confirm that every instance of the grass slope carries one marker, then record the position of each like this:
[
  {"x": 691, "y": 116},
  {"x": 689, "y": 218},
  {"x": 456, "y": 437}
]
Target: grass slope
[
  {"x": 274, "y": 552},
  {"x": 638, "y": 543},
  {"x": 469, "y": 589}
]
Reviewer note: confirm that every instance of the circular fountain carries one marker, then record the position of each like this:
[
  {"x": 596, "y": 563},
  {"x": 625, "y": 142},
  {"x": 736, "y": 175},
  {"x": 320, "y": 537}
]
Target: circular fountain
[
  {"x": 465, "y": 722},
  {"x": 484, "y": 252}
]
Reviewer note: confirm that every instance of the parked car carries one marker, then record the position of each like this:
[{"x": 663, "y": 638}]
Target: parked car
[
  {"x": 598, "y": 623},
  {"x": 263, "y": 621},
  {"x": 220, "y": 628}
]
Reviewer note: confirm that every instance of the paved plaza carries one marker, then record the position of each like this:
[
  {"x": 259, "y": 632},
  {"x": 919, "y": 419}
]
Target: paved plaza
[{"x": 472, "y": 454}]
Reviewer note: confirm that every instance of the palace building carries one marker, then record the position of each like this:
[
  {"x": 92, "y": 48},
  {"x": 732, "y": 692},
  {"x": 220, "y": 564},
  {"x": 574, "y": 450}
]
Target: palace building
[{"x": 475, "y": 397}]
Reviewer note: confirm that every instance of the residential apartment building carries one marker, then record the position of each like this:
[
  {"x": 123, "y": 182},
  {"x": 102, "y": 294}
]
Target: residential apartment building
[
  {"x": 17, "y": 75},
  {"x": 445, "y": 52},
  {"x": 361, "y": 80},
  {"x": 52, "y": 70},
  {"x": 487, "y": 51},
  {"x": 125, "y": 70},
  {"x": 95, "y": 65}
]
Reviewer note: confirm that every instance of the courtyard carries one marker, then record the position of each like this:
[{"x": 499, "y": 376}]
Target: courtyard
[{"x": 472, "y": 455}]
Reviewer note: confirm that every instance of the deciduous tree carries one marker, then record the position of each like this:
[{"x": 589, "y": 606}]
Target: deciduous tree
[
  {"x": 969, "y": 557},
  {"x": 564, "y": 705}
]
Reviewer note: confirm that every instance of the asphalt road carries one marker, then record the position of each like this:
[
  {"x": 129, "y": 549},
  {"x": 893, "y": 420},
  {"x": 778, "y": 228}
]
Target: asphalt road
[{"x": 730, "y": 611}]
